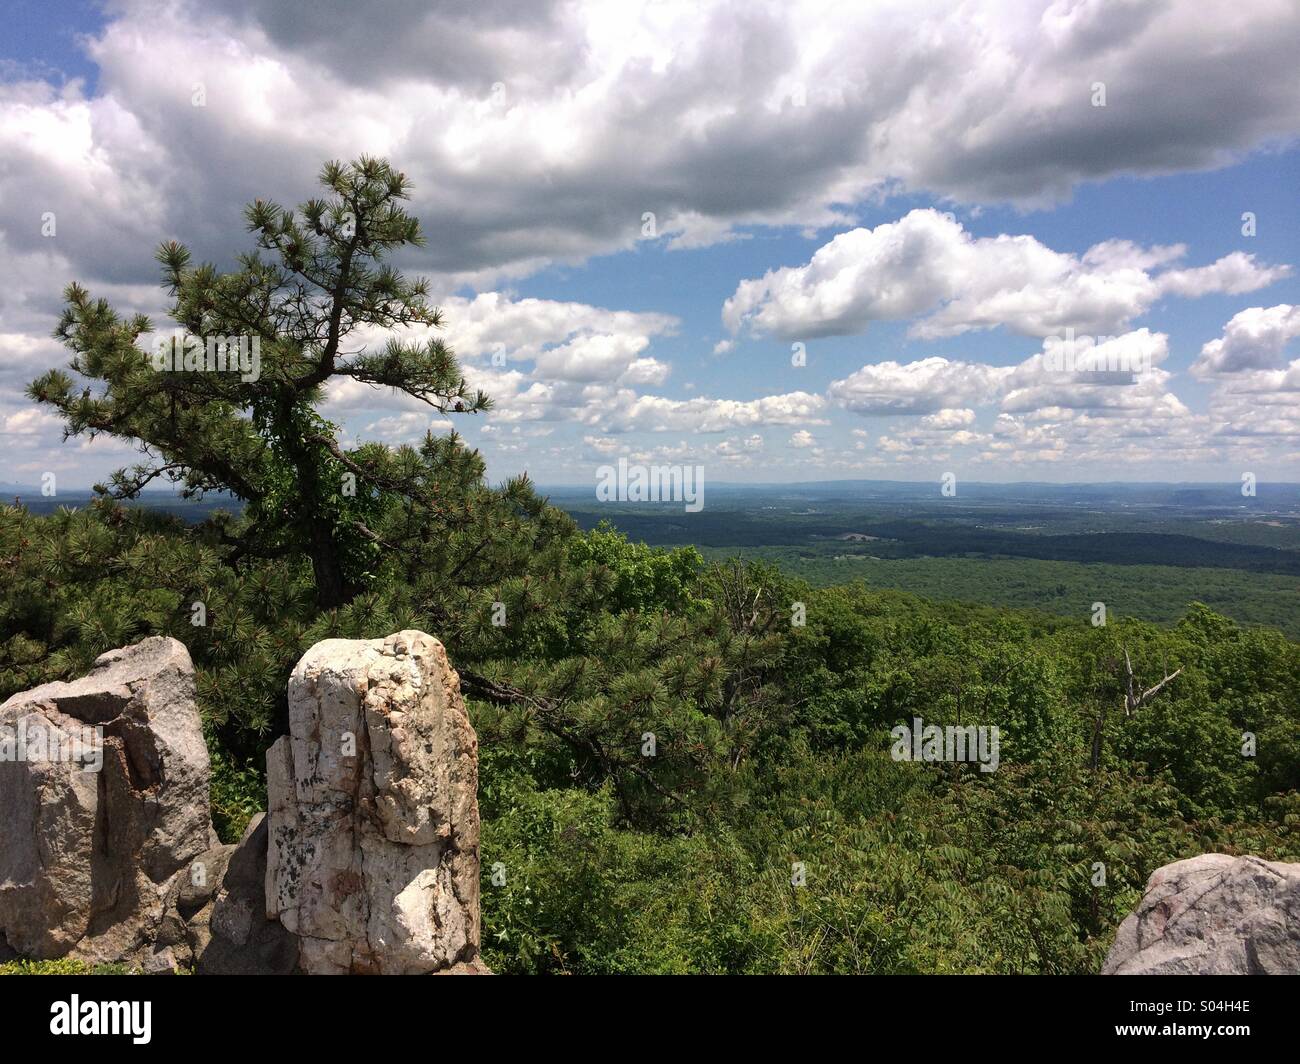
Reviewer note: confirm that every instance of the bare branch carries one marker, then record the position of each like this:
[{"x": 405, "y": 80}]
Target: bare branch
[{"x": 1134, "y": 701}]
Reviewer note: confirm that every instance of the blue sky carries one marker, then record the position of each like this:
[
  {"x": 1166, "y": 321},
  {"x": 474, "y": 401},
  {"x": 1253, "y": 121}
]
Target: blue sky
[
  {"x": 1202, "y": 210},
  {"x": 42, "y": 38},
  {"x": 924, "y": 219}
]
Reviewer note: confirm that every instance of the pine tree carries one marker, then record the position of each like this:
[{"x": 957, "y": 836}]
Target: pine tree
[
  {"x": 258, "y": 434},
  {"x": 598, "y": 649}
]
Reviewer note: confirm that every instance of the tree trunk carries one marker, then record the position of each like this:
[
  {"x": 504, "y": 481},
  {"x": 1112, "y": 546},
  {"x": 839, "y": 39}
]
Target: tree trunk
[
  {"x": 1098, "y": 737},
  {"x": 332, "y": 587}
]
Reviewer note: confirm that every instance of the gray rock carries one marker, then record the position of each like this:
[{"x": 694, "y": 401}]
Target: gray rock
[
  {"x": 1213, "y": 915},
  {"x": 101, "y": 836},
  {"x": 374, "y": 832},
  {"x": 219, "y": 925}
]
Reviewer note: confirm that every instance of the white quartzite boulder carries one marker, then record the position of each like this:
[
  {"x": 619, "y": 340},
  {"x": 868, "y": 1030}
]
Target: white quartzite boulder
[
  {"x": 87, "y": 846},
  {"x": 373, "y": 819},
  {"x": 1213, "y": 915}
]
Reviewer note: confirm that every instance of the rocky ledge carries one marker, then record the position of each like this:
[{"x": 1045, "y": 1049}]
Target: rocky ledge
[
  {"x": 1213, "y": 915},
  {"x": 367, "y": 861}
]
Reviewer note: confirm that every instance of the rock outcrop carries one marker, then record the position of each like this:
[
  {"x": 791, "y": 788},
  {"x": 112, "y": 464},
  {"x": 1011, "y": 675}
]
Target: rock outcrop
[
  {"x": 367, "y": 862},
  {"x": 216, "y": 920},
  {"x": 103, "y": 800},
  {"x": 1213, "y": 915},
  {"x": 373, "y": 822}
]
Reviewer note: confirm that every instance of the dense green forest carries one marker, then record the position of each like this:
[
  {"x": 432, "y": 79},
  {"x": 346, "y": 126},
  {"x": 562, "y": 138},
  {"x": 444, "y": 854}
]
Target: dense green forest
[
  {"x": 1116, "y": 538},
  {"x": 772, "y": 743},
  {"x": 685, "y": 764},
  {"x": 1068, "y": 589},
  {"x": 1053, "y": 548}
]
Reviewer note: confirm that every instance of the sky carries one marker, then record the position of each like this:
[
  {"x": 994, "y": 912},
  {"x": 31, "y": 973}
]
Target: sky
[{"x": 782, "y": 241}]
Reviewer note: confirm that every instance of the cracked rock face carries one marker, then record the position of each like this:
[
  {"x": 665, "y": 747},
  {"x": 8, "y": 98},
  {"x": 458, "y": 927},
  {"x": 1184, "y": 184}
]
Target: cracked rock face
[
  {"x": 1213, "y": 915},
  {"x": 373, "y": 821},
  {"x": 103, "y": 799}
]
